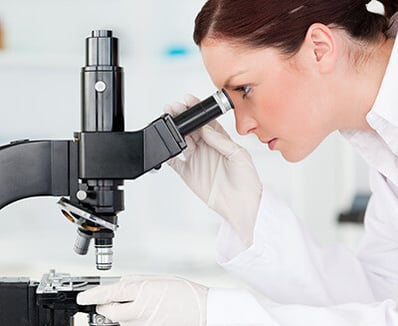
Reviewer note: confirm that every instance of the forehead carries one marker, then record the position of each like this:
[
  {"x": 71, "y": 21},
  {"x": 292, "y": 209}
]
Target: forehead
[{"x": 224, "y": 60}]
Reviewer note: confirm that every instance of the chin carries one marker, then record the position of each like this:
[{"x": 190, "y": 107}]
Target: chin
[
  {"x": 294, "y": 157},
  {"x": 298, "y": 151}
]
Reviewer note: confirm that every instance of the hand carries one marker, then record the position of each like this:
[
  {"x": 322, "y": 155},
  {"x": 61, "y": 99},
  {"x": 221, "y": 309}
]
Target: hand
[
  {"x": 221, "y": 173},
  {"x": 149, "y": 301}
]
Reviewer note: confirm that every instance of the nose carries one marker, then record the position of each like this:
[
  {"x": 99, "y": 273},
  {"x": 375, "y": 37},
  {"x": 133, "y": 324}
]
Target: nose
[{"x": 244, "y": 123}]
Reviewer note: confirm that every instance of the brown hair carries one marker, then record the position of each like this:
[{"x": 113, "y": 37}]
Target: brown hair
[{"x": 283, "y": 24}]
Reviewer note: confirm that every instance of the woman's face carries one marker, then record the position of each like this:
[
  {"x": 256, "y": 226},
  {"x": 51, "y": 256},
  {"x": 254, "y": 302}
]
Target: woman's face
[{"x": 283, "y": 101}]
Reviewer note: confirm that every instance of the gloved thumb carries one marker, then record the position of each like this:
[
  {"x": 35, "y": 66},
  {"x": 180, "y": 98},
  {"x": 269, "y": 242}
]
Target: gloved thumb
[{"x": 103, "y": 294}]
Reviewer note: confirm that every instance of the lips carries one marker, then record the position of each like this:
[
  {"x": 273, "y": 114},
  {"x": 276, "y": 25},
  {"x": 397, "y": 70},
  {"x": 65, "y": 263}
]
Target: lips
[{"x": 272, "y": 143}]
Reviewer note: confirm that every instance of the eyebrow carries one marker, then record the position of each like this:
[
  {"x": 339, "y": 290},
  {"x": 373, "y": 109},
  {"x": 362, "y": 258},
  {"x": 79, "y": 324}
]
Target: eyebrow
[{"x": 227, "y": 84}]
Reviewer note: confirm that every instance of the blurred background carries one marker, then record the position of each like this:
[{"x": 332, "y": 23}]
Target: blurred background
[{"x": 164, "y": 228}]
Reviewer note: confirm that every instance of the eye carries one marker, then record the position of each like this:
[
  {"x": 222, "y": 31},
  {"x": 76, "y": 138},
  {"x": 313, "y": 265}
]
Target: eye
[{"x": 243, "y": 89}]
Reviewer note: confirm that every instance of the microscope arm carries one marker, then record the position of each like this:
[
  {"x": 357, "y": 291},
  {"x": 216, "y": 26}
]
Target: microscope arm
[
  {"x": 128, "y": 155},
  {"x": 50, "y": 168},
  {"x": 37, "y": 168}
]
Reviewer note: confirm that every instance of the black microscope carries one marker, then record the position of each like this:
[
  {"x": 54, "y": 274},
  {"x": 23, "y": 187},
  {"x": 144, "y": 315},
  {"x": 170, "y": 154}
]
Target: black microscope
[{"x": 88, "y": 172}]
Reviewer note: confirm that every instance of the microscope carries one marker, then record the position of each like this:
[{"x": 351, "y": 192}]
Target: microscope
[{"x": 88, "y": 173}]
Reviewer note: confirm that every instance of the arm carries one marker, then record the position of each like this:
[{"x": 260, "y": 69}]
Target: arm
[
  {"x": 151, "y": 301},
  {"x": 287, "y": 265},
  {"x": 228, "y": 307},
  {"x": 379, "y": 249},
  {"x": 261, "y": 241}
]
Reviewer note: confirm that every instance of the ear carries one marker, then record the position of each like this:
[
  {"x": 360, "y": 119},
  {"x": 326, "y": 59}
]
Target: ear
[{"x": 321, "y": 47}]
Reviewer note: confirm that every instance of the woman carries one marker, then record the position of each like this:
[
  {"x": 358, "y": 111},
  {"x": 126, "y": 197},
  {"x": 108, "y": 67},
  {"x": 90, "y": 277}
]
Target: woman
[{"x": 296, "y": 71}]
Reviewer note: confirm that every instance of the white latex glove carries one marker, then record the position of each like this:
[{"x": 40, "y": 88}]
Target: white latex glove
[
  {"x": 149, "y": 301},
  {"x": 221, "y": 173}
]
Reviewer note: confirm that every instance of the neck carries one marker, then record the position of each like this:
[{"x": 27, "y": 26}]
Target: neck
[{"x": 362, "y": 85}]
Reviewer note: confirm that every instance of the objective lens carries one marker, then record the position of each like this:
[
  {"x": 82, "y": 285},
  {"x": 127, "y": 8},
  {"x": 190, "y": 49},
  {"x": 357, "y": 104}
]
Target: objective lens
[
  {"x": 82, "y": 242},
  {"x": 104, "y": 257}
]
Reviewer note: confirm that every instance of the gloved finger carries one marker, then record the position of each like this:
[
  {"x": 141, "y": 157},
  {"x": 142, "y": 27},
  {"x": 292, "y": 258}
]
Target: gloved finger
[
  {"x": 178, "y": 108},
  {"x": 175, "y": 108},
  {"x": 177, "y": 164},
  {"x": 219, "y": 141},
  {"x": 119, "y": 312},
  {"x": 191, "y": 100},
  {"x": 187, "y": 153},
  {"x": 103, "y": 294},
  {"x": 219, "y": 128},
  {"x": 147, "y": 278},
  {"x": 136, "y": 278},
  {"x": 192, "y": 145},
  {"x": 168, "y": 109}
]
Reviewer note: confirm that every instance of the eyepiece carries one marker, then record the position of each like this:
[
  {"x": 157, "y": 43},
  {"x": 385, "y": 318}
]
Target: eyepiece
[
  {"x": 102, "y": 104},
  {"x": 101, "y": 49},
  {"x": 101, "y": 33},
  {"x": 223, "y": 100},
  {"x": 203, "y": 112}
]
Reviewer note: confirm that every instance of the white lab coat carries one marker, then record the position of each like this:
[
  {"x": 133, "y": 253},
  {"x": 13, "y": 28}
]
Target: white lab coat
[{"x": 314, "y": 285}]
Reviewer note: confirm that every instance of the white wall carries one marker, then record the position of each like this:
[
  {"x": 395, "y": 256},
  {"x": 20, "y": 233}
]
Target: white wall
[{"x": 164, "y": 228}]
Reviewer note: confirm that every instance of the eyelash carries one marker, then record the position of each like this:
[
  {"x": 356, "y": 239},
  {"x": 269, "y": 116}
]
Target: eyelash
[{"x": 245, "y": 89}]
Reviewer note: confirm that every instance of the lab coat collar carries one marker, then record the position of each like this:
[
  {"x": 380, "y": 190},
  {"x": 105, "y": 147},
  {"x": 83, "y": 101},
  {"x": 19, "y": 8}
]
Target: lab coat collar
[
  {"x": 386, "y": 104},
  {"x": 380, "y": 147}
]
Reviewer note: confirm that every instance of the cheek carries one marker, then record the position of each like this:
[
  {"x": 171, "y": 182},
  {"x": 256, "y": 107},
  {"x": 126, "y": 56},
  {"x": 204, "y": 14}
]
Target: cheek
[
  {"x": 274, "y": 107},
  {"x": 286, "y": 104}
]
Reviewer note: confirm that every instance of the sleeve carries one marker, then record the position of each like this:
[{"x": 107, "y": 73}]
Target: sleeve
[
  {"x": 229, "y": 307},
  {"x": 378, "y": 252},
  {"x": 287, "y": 265}
]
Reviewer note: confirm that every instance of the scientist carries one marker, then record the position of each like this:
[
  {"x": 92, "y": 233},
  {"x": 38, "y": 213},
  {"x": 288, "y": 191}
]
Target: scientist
[{"x": 296, "y": 70}]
